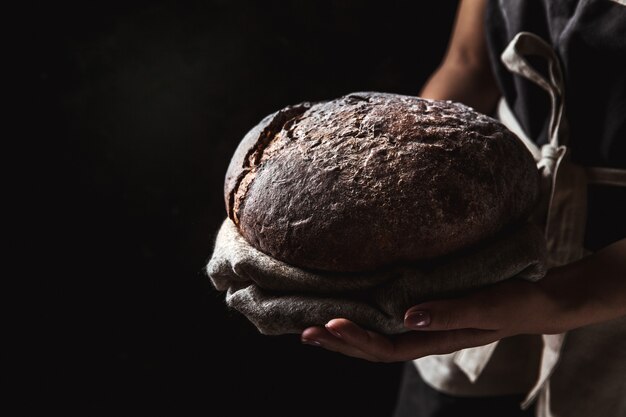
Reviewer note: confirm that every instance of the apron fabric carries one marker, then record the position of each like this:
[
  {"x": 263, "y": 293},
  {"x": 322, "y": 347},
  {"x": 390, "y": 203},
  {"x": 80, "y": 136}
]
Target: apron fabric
[
  {"x": 580, "y": 385},
  {"x": 589, "y": 38}
]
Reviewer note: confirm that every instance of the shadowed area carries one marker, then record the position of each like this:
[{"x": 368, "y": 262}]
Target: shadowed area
[{"x": 144, "y": 104}]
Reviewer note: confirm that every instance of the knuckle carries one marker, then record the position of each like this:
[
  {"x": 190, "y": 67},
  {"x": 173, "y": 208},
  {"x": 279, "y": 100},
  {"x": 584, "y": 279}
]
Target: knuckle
[{"x": 448, "y": 320}]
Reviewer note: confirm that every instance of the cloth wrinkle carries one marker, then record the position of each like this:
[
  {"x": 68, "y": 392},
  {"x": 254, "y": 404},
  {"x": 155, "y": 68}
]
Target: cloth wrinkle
[{"x": 279, "y": 298}]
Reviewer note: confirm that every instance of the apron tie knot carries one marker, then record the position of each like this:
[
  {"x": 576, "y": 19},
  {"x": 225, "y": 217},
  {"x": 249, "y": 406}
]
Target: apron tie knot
[
  {"x": 549, "y": 151},
  {"x": 550, "y": 156}
]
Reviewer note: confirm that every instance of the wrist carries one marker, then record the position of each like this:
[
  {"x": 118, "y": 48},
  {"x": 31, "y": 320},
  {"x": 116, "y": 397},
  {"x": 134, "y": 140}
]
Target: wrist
[
  {"x": 588, "y": 291},
  {"x": 564, "y": 307}
]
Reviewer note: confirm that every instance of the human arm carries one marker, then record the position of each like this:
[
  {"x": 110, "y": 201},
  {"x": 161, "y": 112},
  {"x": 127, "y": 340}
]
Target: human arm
[
  {"x": 591, "y": 290},
  {"x": 465, "y": 73}
]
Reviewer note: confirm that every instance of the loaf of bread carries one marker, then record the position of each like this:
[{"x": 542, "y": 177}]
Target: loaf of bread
[{"x": 370, "y": 180}]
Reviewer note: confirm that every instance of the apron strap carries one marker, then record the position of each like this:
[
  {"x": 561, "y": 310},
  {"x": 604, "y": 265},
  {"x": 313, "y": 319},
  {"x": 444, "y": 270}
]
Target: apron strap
[
  {"x": 528, "y": 44},
  {"x": 595, "y": 175},
  {"x": 553, "y": 155},
  {"x": 606, "y": 176},
  {"x": 564, "y": 204},
  {"x": 506, "y": 117}
]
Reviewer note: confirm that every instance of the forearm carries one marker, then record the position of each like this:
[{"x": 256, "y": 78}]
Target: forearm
[
  {"x": 465, "y": 74},
  {"x": 472, "y": 86},
  {"x": 591, "y": 290}
]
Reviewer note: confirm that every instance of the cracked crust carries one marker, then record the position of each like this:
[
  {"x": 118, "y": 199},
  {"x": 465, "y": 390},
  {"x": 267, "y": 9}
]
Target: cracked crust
[
  {"x": 373, "y": 179},
  {"x": 253, "y": 150}
]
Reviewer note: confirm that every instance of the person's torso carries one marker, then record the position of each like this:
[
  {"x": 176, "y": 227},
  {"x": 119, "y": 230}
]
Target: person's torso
[{"x": 589, "y": 38}]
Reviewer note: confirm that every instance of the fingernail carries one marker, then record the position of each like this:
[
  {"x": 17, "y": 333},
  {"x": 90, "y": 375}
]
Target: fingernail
[
  {"x": 311, "y": 342},
  {"x": 417, "y": 319},
  {"x": 333, "y": 331}
]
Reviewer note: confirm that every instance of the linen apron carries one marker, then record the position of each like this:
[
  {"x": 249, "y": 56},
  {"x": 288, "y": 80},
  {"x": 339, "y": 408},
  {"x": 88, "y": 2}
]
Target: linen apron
[{"x": 590, "y": 379}]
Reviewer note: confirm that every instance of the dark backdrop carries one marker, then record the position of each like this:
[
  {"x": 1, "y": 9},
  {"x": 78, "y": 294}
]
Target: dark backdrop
[{"x": 138, "y": 108}]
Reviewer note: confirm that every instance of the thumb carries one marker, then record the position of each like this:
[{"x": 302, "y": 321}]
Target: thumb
[{"x": 452, "y": 314}]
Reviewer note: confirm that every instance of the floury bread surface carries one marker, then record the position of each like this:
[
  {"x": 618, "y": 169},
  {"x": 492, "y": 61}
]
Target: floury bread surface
[{"x": 371, "y": 180}]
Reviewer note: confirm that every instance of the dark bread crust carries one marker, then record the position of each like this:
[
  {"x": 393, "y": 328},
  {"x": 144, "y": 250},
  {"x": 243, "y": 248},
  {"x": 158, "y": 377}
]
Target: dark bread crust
[
  {"x": 373, "y": 179},
  {"x": 248, "y": 154}
]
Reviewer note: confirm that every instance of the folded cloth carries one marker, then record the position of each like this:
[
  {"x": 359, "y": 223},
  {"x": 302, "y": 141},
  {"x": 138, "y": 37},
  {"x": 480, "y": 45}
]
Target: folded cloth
[{"x": 279, "y": 298}]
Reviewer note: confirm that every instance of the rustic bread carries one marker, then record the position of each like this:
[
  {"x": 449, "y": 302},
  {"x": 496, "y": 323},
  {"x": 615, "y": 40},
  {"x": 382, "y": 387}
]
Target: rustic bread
[{"x": 372, "y": 179}]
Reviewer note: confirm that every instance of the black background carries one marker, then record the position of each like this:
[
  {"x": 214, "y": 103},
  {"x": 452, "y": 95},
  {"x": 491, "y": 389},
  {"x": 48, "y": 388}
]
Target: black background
[{"x": 137, "y": 110}]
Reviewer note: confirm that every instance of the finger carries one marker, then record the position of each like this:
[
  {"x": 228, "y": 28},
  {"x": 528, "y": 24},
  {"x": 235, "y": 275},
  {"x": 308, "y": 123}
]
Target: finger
[
  {"x": 486, "y": 309},
  {"x": 321, "y": 337},
  {"x": 371, "y": 343},
  {"x": 410, "y": 345},
  {"x": 449, "y": 315}
]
